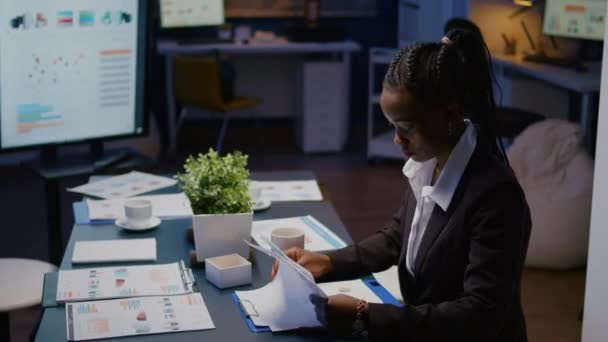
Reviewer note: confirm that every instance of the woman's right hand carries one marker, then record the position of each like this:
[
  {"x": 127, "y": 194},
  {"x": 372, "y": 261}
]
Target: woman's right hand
[{"x": 317, "y": 264}]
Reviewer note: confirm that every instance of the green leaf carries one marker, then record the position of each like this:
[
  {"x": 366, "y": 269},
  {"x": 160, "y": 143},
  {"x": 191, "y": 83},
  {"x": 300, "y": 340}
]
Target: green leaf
[{"x": 215, "y": 184}]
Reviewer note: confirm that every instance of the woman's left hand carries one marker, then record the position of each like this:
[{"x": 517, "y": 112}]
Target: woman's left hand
[{"x": 340, "y": 313}]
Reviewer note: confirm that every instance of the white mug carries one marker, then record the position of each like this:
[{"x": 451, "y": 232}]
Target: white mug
[
  {"x": 287, "y": 237},
  {"x": 138, "y": 212}
]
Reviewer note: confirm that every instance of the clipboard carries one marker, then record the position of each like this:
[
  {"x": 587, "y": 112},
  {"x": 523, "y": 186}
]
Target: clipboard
[
  {"x": 247, "y": 317},
  {"x": 370, "y": 281}
]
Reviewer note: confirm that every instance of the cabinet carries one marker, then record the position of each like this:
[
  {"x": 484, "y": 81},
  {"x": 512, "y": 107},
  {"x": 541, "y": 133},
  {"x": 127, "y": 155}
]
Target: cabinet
[{"x": 323, "y": 121}]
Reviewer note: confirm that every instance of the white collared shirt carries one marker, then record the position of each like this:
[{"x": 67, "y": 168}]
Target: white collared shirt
[{"x": 420, "y": 175}]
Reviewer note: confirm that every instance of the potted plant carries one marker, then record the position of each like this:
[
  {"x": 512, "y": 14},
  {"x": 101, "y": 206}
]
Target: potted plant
[{"x": 218, "y": 190}]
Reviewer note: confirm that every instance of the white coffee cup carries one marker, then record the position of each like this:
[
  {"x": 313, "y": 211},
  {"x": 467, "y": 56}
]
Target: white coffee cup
[
  {"x": 287, "y": 237},
  {"x": 138, "y": 212}
]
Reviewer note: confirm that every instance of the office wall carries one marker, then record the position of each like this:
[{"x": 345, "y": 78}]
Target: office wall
[{"x": 595, "y": 321}]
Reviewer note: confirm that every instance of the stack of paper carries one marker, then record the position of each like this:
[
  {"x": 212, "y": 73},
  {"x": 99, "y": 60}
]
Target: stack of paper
[
  {"x": 114, "y": 250},
  {"x": 287, "y": 191},
  {"x": 163, "y": 206},
  {"x": 317, "y": 237},
  {"x": 136, "y": 316},
  {"x": 126, "y": 281},
  {"x": 284, "y": 303},
  {"x": 131, "y": 184}
]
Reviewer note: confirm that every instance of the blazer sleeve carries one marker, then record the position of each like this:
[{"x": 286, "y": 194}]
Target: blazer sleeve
[
  {"x": 500, "y": 228},
  {"x": 374, "y": 254}
]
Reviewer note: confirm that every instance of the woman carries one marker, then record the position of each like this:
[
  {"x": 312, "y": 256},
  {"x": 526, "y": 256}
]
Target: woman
[{"x": 460, "y": 236}]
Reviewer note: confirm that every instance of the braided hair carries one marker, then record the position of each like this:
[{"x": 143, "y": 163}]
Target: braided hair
[{"x": 456, "y": 70}]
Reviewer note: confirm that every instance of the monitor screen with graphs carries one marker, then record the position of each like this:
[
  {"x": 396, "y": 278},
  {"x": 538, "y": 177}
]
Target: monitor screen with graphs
[
  {"x": 71, "y": 70},
  {"x": 582, "y": 19},
  {"x": 190, "y": 13}
]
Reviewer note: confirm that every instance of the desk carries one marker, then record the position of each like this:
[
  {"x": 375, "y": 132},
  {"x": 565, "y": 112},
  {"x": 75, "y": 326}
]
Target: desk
[
  {"x": 171, "y": 48},
  {"x": 586, "y": 84},
  {"x": 172, "y": 246}
]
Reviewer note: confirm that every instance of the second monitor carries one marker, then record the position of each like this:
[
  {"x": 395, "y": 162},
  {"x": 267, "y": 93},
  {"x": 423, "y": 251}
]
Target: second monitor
[{"x": 583, "y": 19}]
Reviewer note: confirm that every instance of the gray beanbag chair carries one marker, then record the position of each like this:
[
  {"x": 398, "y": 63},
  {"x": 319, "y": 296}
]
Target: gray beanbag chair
[{"x": 556, "y": 175}]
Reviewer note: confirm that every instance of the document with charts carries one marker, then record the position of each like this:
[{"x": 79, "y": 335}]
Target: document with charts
[
  {"x": 317, "y": 237},
  {"x": 284, "y": 303},
  {"x": 126, "y": 281},
  {"x": 136, "y": 316},
  {"x": 130, "y": 184},
  {"x": 163, "y": 206}
]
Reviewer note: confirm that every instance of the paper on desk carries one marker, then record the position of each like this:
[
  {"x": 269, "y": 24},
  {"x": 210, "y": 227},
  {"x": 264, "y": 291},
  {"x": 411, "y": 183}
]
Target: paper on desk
[
  {"x": 286, "y": 191},
  {"x": 389, "y": 279},
  {"x": 124, "y": 281},
  {"x": 284, "y": 303},
  {"x": 354, "y": 288},
  {"x": 124, "y": 186},
  {"x": 136, "y": 316},
  {"x": 114, "y": 250},
  {"x": 163, "y": 206},
  {"x": 317, "y": 237}
]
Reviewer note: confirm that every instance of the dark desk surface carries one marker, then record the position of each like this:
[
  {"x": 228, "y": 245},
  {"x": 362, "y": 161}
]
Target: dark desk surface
[{"x": 172, "y": 246}]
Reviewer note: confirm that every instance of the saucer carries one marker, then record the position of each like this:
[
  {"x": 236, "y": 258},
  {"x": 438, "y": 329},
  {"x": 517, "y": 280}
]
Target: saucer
[
  {"x": 262, "y": 204},
  {"x": 124, "y": 224}
]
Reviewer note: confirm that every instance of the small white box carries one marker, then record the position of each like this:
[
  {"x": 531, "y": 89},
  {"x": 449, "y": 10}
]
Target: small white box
[{"x": 228, "y": 270}]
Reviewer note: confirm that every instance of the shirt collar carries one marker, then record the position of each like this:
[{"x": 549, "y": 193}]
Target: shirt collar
[{"x": 420, "y": 173}]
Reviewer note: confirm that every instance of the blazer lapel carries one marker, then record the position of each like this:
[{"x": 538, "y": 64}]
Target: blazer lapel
[
  {"x": 406, "y": 280},
  {"x": 438, "y": 220},
  {"x": 407, "y": 225}
]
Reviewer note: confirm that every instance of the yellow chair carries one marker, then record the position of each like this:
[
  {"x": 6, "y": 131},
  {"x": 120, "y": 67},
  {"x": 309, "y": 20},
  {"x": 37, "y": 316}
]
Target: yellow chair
[{"x": 197, "y": 84}]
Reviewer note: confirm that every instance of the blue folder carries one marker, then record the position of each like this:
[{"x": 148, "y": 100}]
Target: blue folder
[
  {"x": 252, "y": 327},
  {"x": 370, "y": 281},
  {"x": 81, "y": 214}
]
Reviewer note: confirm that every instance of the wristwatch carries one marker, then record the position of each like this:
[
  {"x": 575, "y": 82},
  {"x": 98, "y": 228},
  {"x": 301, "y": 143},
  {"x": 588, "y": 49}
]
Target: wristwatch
[{"x": 360, "y": 324}]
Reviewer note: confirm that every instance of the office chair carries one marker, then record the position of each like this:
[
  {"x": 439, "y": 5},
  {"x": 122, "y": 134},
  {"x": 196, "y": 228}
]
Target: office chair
[{"x": 198, "y": 84}]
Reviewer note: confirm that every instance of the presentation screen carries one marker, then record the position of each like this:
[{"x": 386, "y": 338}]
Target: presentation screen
[
  {"x": 71, "y": 70},
  {"x": 575, "y": 18},
  {"x": 188, "y": 13}
]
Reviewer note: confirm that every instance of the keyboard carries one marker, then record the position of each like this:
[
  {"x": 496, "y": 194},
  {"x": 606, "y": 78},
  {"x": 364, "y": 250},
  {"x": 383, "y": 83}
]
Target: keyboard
[{"x": 555, "y": 61}]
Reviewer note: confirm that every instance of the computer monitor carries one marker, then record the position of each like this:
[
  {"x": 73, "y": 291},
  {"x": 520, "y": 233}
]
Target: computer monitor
[
  {"x": 71, "y": 71},
  {"x": 191, "y": 13},
  {"x": 582, "y": 19}
]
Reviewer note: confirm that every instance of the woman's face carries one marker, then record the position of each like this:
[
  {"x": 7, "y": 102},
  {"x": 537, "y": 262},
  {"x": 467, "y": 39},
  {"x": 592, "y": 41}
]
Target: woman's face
[{"x": 421, "y": 132}]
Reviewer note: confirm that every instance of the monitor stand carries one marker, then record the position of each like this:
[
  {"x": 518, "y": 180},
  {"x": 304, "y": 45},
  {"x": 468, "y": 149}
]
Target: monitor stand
[{"x": 53, "y": 169}]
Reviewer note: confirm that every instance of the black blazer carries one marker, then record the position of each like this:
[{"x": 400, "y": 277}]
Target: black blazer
[{"x": 468, "y": 267}]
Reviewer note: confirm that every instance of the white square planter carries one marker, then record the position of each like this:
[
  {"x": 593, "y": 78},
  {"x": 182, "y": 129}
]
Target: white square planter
[
  {"x": 228, "y": 271},
  {"x": 216, "y": 235}
]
